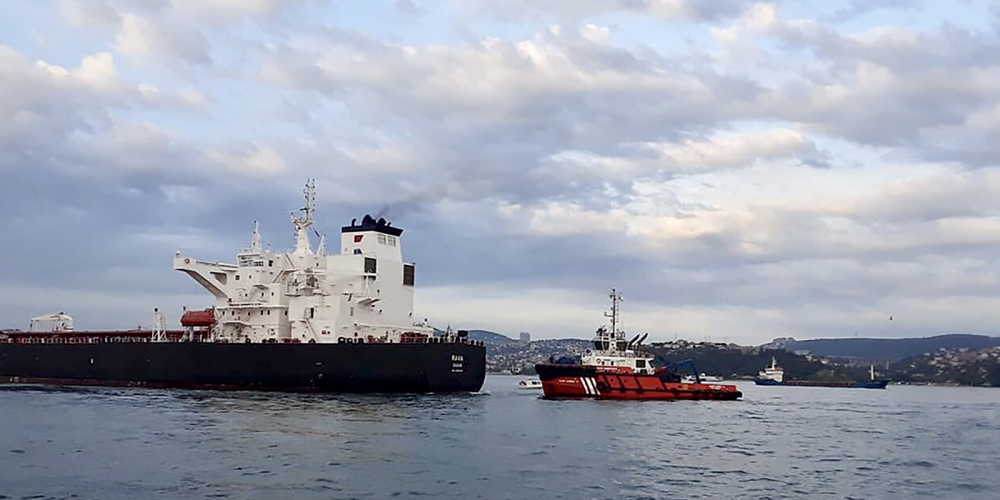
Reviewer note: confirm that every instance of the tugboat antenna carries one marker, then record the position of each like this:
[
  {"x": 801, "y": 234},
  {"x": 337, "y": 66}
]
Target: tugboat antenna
[{"x": 615, "y": 299}]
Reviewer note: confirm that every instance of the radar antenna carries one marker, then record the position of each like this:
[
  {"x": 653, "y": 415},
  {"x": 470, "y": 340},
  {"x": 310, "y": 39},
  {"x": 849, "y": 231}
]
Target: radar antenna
[
  {"x": 301, "y": 222},
  {"x": 616, "y": 298},
  {"x": 306, "y": 220}
]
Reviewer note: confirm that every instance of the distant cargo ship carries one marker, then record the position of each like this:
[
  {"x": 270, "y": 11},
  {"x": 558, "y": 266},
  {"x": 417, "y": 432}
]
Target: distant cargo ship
[
  {"x": 775, "y": 375},
  {"x": 771, "y": 375},
  {"x": 617, "y": 368},
  {"x": 299, "y": 321}
]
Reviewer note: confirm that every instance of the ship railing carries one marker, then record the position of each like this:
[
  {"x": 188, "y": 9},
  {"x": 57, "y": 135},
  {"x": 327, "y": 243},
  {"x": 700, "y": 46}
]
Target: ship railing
[{"x": 441, "y": 340}]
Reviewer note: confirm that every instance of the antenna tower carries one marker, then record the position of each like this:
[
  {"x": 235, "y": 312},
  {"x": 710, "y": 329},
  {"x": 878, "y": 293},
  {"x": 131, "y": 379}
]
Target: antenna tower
[{"x": 306, "y": 219}]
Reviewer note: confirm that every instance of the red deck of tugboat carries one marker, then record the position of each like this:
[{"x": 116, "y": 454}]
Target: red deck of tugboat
[{"x": 610, "y": 385}]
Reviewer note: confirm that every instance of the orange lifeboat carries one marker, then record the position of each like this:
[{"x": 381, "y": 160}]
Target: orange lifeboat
[{"x": 198, "y": 318}]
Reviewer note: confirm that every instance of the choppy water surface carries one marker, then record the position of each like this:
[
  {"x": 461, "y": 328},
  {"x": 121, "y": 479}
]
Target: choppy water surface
[{"x": 779, "y": 442}]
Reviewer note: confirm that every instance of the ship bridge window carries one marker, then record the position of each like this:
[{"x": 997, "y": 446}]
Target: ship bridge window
[
  {"x": 640, "y": 363},
  {"x": 370, "y": 265},
  {"x": 381, "y": 239},
  {"x": 391, "y": 240}
]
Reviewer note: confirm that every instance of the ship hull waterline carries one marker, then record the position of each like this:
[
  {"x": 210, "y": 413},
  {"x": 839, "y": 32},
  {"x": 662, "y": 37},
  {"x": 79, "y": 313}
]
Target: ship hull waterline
[
  {"x": 348, "y": 368},
  {"x": 575, "y": 382},
  {"x": 867, "y": 384}
]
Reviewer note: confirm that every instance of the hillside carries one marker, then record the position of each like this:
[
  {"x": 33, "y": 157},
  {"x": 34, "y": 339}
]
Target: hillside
[
  {"x": 737, "y": 362},
  {"x": 945, "y": 359},
  {"x": 952, "y": 367},
  {"x": 492, "y": 338},
  {"x": 507, "y": 355},
  {"x": 869, "y": 349}
]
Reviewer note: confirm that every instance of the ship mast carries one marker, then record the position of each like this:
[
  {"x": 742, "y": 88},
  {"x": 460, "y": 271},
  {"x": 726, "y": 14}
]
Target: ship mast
[
  {"x": 615, "y": 299},
  {"x": 305, "y": 220}
]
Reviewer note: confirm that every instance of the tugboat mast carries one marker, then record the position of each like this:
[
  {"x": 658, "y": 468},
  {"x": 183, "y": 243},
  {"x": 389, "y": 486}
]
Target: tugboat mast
[{"x": 615, "y": 299}]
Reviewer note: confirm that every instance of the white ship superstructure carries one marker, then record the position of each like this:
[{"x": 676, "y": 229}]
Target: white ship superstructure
[
  {"x": 362, "y": 294},
  {"x": 773, "y": 373}
]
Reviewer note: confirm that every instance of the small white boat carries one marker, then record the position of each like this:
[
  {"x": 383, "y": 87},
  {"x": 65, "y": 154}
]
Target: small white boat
[
  {"x": 530, "y": 384},
  {"x": 689, "y": 379}
]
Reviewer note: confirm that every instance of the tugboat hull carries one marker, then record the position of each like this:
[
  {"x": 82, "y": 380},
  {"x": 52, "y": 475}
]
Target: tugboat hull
[{"x": 579, "y": 381}]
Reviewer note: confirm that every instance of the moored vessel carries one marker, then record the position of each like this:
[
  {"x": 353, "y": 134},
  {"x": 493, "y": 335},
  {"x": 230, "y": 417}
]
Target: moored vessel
[
  {"x": 618, "y": 368},
  {"x": 691, "y": 379},
  {"x": 775, "y": 375},
  {"x": 771, "y": 375},
  {"x": 299, "y": 321},
  {"x": 529, "y": 384}
]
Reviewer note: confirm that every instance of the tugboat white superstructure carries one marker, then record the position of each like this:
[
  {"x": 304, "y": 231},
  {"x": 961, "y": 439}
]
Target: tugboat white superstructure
[{"x": 302, "y": 321}]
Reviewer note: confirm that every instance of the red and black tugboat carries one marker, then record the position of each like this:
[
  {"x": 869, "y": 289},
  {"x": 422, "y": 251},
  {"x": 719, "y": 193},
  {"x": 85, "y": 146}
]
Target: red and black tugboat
[{"x": 618, "y": 368}]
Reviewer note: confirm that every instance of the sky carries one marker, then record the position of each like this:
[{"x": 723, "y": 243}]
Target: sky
[{"x": 738, "y": 170}]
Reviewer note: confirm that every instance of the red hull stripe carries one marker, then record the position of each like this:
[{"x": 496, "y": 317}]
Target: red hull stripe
[{"x": 636, "y": 387}]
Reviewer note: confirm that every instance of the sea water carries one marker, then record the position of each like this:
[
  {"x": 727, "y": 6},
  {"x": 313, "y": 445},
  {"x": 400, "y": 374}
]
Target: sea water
[{"x": 503, "y": 443}]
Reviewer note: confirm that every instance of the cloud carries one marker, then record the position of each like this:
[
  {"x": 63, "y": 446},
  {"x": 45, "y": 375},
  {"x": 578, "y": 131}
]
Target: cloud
[
  {"x": 250, "y": 159},
  {"x": 139, "y": 36},
  {"x": 670, "y": 10},
  {"x": 666, "y": 147},
  {"x": 230, "y": 11},
  {"x": 890, "y": 86},
  {"x": 53, "y": 101},
  {"x": 736, "y": 150}
]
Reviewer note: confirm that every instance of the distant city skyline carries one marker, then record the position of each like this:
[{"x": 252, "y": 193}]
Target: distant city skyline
[{"x": 738, "y": 170}]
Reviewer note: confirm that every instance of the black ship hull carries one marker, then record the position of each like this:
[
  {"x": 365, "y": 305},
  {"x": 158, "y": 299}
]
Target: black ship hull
[
  {"x": 864, "y": 384},
  {"x": 430, "y": 367}
]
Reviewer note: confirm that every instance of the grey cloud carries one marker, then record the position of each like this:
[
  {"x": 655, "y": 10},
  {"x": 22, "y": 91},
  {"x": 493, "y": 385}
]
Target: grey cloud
[
  {"x": 409, "y": 8},
  {"x": 492, "y": 133},
  {"x": 558, "y": 118},
  {"x": 696, "y": 10},
  {"x": 858, "y": 8},
  {"x": 890, "y": 87}
]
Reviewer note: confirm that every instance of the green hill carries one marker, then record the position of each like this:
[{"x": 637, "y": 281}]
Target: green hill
[{"x": 889, "y": 349}]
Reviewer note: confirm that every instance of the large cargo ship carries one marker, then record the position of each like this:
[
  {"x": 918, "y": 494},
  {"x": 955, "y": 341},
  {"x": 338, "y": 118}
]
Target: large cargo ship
[{"x": 299, "y": 321}]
